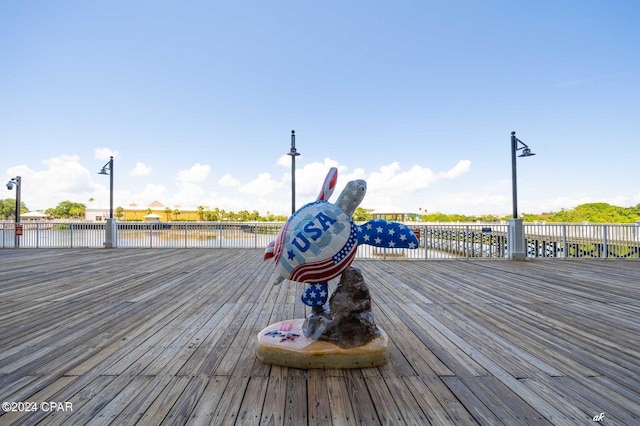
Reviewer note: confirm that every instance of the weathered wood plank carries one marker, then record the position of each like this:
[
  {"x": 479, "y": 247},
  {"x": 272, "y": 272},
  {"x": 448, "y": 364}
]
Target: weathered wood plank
[
  {"x": 227, "y": 409},
  {"x": 141, "y": 401},
  {"x": 153, "y": 336},
  {"x": 340, "y": 401},
  {"x": 295, "y": 409},
  {"x": 44, "y": 394},
  {"x": 205, "y": 409},
  {"x": 274, "y": 401},
  {"x": 318, "y": 398},
  {"x": 252, "y": 401}
]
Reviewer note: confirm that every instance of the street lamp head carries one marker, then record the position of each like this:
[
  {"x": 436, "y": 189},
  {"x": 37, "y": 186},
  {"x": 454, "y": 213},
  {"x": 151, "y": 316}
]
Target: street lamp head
[
  {"x": 13, "y": 182},
  {"x": 293, "y": 152},
  {"x": 108, "y": 166},
  {"x": 526, "y": 152}
]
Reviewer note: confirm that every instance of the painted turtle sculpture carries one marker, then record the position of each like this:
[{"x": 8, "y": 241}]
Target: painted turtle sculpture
[{"x": 320, "y": 240}]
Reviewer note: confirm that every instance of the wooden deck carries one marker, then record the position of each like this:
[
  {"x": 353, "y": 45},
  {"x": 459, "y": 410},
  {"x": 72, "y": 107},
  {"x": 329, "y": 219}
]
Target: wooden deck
[{"x": 164, "y": 336}]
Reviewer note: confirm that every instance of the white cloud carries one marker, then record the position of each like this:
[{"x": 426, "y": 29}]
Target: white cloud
[
  {"x": 64, "y": 178},
  {"x": 284, "y": 161},
  {"x": 229, "y": 181},
  {"x": 310, "y": 178},
  {"x": 391, "y": 179},
  {"x": 140, "y": 169},
  {"x": 104, "y": 154},
  {"x": 263, "y": 185},
  {"x": 462, "y": 167},
  {"x": 150, "y": 193},
  {"x": 197, "y": 173},
  {"x": 189, "y": 196},
  {"x": 391, "y": 188}
]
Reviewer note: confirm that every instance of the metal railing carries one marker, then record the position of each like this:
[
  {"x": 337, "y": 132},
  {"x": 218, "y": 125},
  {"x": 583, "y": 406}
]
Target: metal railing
[
  {"x": 570, "y": 240},
  {"x": 437, "y": 241},
  {"x": 446, "y": 241}
]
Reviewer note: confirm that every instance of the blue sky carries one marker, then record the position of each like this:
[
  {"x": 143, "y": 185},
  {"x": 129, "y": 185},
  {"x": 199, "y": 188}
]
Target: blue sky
[{"x": 196, "y": 101}]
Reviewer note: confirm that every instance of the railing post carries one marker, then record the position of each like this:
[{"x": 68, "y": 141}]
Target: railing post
[
  {"x": 467, "y": 248},
  {"x": 604, "y": 241},
  {"x": 255, "y": 235},
  {"x": 426, "y": 246},
  {"x": 111, "y": 230},
  {"x": 516, "y": 240}
]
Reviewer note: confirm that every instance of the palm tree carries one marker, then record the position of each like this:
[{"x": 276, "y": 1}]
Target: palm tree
[
  {"x": 119, "y": 212},
  {"x": 201, "y": 210},
  {"x": 167, "y": 211}
]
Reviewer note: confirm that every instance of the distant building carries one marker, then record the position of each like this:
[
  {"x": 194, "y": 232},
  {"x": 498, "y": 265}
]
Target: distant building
[
  {"x": 397, "y": 217},
  {"x": 96, "y": 215},
  {"x": 30, "y": 216},
  {"x": 153, "y": 218}
]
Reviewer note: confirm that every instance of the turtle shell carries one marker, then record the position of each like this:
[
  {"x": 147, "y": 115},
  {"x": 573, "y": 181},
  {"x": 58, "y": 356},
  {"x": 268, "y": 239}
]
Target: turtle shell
[{"x": 316, "y": 244}]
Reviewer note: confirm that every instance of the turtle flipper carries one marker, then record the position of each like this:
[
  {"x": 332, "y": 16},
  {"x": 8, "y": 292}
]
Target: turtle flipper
[
  {"x": 329, "y": 184},
  {"x": 381, "y": 233},
  {"x": 269, "y": 250},
  {"x": 315, "y": 294}
]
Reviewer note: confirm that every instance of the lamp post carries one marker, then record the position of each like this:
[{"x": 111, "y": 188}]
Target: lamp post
[
  {"x": 109, "y": 167},
  {"x": 517, "y": 243},
  {"x": 293, "y": 153},
  {"x": 111, "y": 228},
  {"x": 16, "y": 181}
]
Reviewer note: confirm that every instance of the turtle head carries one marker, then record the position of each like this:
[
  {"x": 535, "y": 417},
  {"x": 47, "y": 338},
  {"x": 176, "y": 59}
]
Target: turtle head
[{"x": 351, "y": 196}]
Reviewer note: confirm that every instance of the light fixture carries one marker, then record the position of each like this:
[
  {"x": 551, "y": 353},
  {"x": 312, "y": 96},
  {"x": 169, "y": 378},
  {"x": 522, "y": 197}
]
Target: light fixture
[
  {"x": 107, "y": 169},
  {"x": 517, "y": 145},
  {"x": 293, "y": 153},
  {"x": 17, "y": 182}
]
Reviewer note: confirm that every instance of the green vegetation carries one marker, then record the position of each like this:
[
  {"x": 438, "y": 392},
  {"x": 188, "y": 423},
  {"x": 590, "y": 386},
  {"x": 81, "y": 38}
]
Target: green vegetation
[
  {"x": 361, "y": 215},
  {"x": 591, "y": 212},
  {"x": 241, "y": 216},
  {"x": 67, "y": 210},
  {"x": 442, "y": 217},
  {"x": 119, "y": 213},
  {"x": 8, "y": 208}
]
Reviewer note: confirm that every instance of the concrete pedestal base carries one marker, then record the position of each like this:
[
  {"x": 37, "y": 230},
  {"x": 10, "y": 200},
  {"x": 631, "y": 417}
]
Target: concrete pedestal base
[{"x": 284, "y": 344}]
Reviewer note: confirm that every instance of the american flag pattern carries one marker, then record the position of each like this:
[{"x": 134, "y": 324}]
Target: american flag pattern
[
  {"x": 324, "y": 270},
  {"x": 380, "y": 233},
  {"x": 315, "y": 294},
  {"x": 319, "y": 242}
]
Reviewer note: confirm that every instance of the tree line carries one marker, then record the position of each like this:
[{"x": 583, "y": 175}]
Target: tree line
[{"x": 590, "y": 212}]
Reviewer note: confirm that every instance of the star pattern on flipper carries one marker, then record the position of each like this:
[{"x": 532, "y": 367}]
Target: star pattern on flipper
[
  {"x": 315, "y": 294},
  {"x": 348, "y": 247},
  {"x": 380, "y": 233}
]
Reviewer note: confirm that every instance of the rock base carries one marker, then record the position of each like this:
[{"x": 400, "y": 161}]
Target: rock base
[{"x": 284, "y": 344}]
